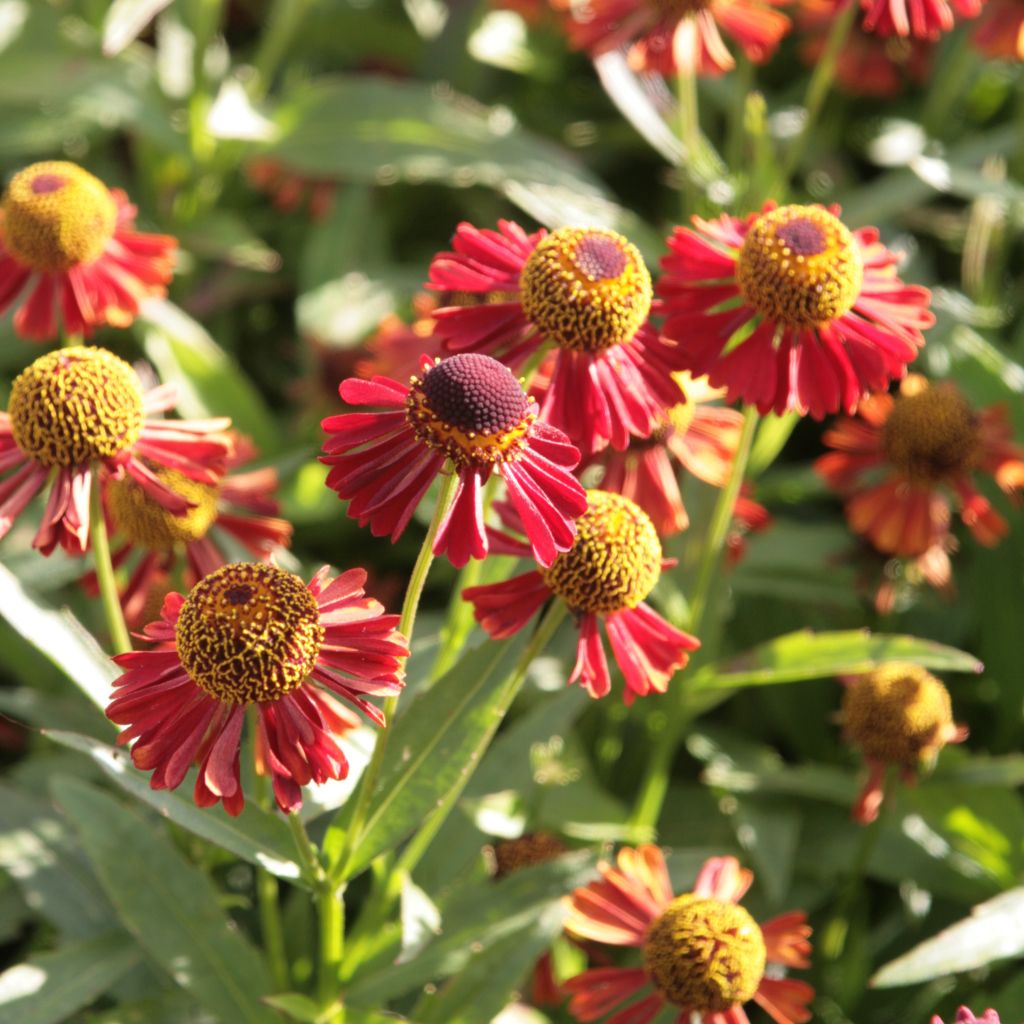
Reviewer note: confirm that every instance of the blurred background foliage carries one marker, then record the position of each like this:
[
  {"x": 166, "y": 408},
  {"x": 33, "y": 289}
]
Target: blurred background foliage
[{"x": 397, "y": 120}]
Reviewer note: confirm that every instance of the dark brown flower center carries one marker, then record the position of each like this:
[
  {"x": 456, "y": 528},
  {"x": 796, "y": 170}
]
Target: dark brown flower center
[{"x": 932, "y": 435}]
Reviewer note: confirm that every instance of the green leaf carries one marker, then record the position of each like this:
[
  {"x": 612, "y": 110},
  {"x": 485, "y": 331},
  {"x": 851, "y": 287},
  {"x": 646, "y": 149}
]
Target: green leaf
[
  {"x": 39, "y": 852},
  {"x": 50, "y": 987},
  {"x": 994, "y": 931},
  {"x": 126, "y": 20},
  {"x": 434, "y": 745},
  {"x": 210, "y": 382},
  {"x": 296, "y": 1006},
  {"x": 255, "y": 835},
  {"x": 809, "y": 655},
  {"x": 170, "y": 907},
  {"x": 59, "y": 636},
  {"x": 375, "y": 130},
  {"x": 772, "y": 434},
  {"x": 475, "y": 918}
]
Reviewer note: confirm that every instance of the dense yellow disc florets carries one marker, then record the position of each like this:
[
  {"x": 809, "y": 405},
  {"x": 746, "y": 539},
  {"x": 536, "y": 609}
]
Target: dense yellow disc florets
[
  {"x": 898, "y": 713},
  {"x": 57, "y": 216},
  {"x": 705, "y": 954},
  {"x": 511, "y": 855},
  {"x": 249, "y": 632},
  {"x": 586, "y": 289},
  {"x": 931, "y": 435},
  {"x": 472, "y": 408},
  {"x": 800, "y": 266},
  {"x": 144, "y": 521},
  {"x": 615, "y": 561},
  {"x": 75, "y": 405}
]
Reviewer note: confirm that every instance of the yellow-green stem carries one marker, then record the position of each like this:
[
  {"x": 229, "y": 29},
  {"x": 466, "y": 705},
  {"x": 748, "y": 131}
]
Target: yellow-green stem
[
  {"x": 268, "y": 898},
  {"x": 819, "y": 85},
  {"x": 331, "y": 914},
  {"x": 689, "y": 133},
  {"x": 109, "y": 596},
  {"x": 280, "y": 27},
  {"x": 406, "y": 622}
]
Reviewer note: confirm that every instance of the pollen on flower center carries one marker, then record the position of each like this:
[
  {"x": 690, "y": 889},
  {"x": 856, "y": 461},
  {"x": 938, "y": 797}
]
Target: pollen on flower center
[
  {"x": 57, "y": 216},
  {"x": 586, "y": 289},
  {"x": 705, "y": 954},
  {"x": 144, "y": 521},
  {"x": 799, "y": 266},
  {"x": 472, "y": 408},
  {"x": 249, "y": 632},
  {"x": 75, "y": 405},
  {"x": 615, "y": 561},
  {"x": 931, "y": 435},
  {"x": 898, "y": 713}
]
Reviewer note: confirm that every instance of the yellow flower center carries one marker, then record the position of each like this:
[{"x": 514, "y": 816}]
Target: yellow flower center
[
  {"x": 586, "y": 289},
  {"x": 249, "y": 632},
  {"x": 147, "y": 523},
  {"x": 75, "y": 405},
  {"x": 57, "y": 216},
  {"x": 898, "y": 713},
  {"x": 932, "y": 435},
  {"x": 705, "y": 954},
  {"x": 472, "y": 408},
  {"x": 534, "y": 848},
  {"x": 800, "y": 266},
  {"x": 615, "y": 561}
]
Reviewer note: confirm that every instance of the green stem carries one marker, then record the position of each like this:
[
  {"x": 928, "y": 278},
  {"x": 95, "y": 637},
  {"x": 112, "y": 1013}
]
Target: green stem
[
  {"x": 283, "y": 22},
  {"x": 309, "y": 856},
  {"x": 380, "y": 906},
  {"x": 331, "y": 914},
  {"x": 819, "y": 85},
  {"x": 269, "y": 899},
  {"x": 689, "y": 133},
  {"x": 109, "y": 595},
  {"x": 654, "y": 786},
  {"x": 946, "y": 90},
  {"x": 406, "y": 622}
]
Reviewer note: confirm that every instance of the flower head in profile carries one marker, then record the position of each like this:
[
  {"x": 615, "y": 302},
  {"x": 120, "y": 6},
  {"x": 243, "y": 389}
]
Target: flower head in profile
[
  {"x": 73, "y": 242},
  {"x": 252, "y": 636},
  {"x": 701, "y": 437},
  {"x": 677, "y": 36},
  {"x": 787, "y": 309},
  {"x": 470, "y": 412},
  {"x": 604, "y": 578},
  {"x": 902, "y": 458},
  {"x": 965, "y": 1016},
  {"x": 77, "y": 408},
  {"x": 923, "y": 19},
  {"x": 999, "y": 34},
  {"x": 587, "y": 292},
  {"x": 702, "y": 952},
  {"x": 899, "y": 715},
  {"x": 152, "y": 539}
]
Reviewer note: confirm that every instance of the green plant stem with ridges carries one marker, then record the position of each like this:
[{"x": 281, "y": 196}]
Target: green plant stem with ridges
[
  {"x": 109, "y": 596},
  {"x": 819, "y": 85},
  {"x": 655, "y": 783},
  {"x": 331, "y": 915},
  {"x": 406, "y": 622},
  {"x": 268, "y": 898},
  {"x": 689, "y": 133}
]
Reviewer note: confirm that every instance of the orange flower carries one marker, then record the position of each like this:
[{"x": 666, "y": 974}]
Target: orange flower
[
  {"x": 897, "y": 461},
  {"x": 702, "y": 952},
  {"x": 999, "y": 33}
]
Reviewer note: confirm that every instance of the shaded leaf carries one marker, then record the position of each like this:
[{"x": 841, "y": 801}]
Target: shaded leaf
[
  {"x": 256, "y": 836},
  {"x": 169, "y": 906},
  {"x": 50, "y": 987}
]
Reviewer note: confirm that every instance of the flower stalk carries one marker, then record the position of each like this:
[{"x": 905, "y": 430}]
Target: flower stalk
[{"x": 109, "y": 596}]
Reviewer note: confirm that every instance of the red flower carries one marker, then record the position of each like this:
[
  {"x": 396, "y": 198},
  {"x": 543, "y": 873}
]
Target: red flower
[
  {"x": 898, "y": 460},
  {"x": 74, "y": 239},
  {"x": 787, "y": 309},
  {"x": 251, "y": 635},
  {"x": 468, "y": 410},
  {"x": 702, "y": 952},
  {"x": 868, "y": 64},
  {"x": 585, "y": 290},
  {"x": 1000, "y": 31},
  {"x": 614, "y": 564},
  {"x": 925, "y": 19},
  {"x": 965, "y": 1016},
  {"x": 240, "y": 505},
  {"x": 703, "y": 438},
  {"x": 678, "y": 35},
  {"x": 78, "y": 406},
  {"x": 289, "y": 190},
  {"x": 900, "y": 715}
]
